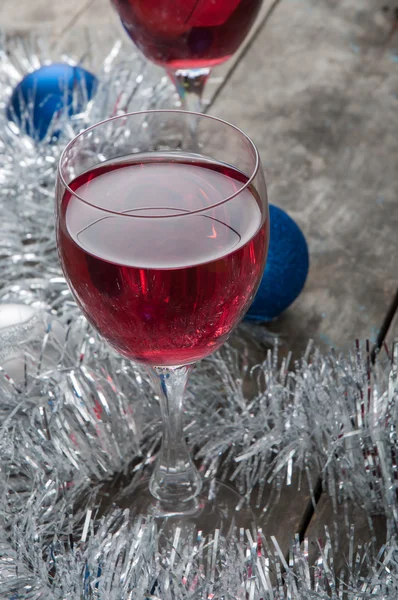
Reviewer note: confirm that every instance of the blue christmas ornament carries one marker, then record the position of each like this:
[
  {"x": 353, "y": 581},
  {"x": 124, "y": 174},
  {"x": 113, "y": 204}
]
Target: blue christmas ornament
[
  {"x": 286, "y": 270},
  {"x": 46, "y": 93}
]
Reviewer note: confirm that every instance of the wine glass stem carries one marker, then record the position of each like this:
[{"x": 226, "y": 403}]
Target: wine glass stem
[
  {"x": 190, "y": 84},
  {"x": 175, "y": 481}
]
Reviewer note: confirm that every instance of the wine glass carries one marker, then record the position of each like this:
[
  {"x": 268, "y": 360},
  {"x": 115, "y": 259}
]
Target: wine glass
[
  {"x": 163, "y": 249},
  {"x": 188, "y": 37}
]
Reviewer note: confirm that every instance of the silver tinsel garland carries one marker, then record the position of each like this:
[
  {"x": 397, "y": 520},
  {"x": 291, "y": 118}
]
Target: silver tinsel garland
[
  {"x": 28, "y": 168},
  {"x": 73, "y": 415}
]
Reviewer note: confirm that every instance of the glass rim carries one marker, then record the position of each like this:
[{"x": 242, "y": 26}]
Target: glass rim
[{"x": 159, "y": 111}]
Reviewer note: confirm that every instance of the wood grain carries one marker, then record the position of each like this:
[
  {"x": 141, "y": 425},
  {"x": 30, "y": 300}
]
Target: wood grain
[
  {"x": 317, "y": 93},
  {"x": 349, "y": 522},
  {"x": 25, "y": 16}
]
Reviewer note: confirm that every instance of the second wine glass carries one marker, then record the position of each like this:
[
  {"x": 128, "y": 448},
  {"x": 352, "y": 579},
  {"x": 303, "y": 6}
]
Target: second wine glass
[{"x": 188, "y": 37}]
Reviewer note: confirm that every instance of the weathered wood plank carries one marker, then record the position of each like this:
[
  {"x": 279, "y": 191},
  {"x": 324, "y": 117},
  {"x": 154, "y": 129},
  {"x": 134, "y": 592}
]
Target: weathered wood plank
[
  {"x": 25, "y": 16},
  {"x": 284, "y": 517},
  {"x": 392, "y": 331},
  {"x": 349, "y": 522},
  {"x": 317, "y": 93}
]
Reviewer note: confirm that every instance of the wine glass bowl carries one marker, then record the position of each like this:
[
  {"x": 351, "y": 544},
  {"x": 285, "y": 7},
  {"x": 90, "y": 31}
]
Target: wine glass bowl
[
  {"x": 164, "y": 249},
  {"x": 188, "y": 37},
  {"x": 163, "y": 238},
  {"x": 187, "y": 34}
]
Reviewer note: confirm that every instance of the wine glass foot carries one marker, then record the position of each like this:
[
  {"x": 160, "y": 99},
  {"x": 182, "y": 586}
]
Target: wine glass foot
[{"x": 218, "y": 507}]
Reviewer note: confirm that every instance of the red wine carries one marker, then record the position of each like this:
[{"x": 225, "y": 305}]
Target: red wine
[
  {"x": 162, "y": 291},
  {"x": 186, "y": 34}
]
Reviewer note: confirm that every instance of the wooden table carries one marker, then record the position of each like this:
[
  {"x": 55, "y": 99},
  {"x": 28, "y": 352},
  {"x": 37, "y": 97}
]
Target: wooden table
[{"x": 316, "y": 87}]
